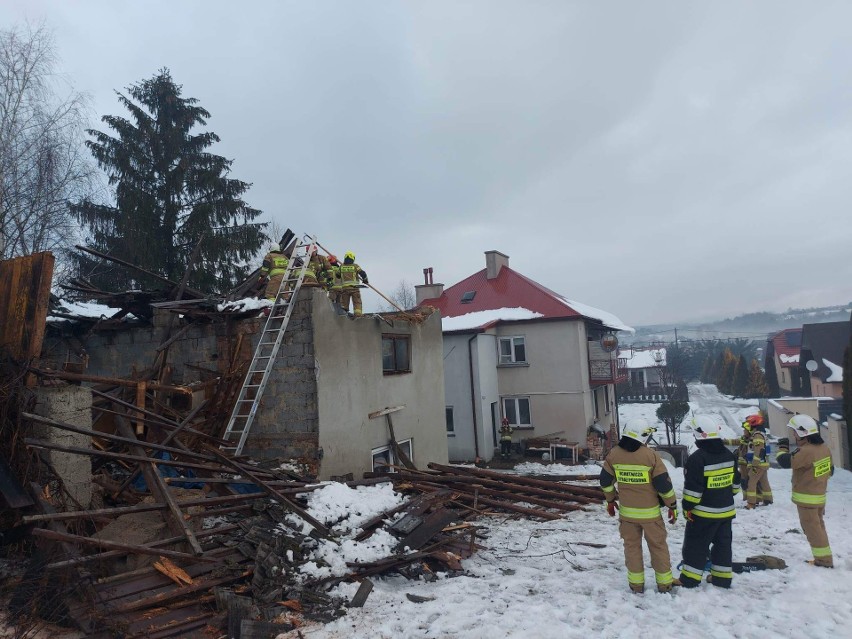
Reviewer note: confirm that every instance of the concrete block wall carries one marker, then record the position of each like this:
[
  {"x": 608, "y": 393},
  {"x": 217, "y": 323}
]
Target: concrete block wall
[{"x": 287, "y": 423}]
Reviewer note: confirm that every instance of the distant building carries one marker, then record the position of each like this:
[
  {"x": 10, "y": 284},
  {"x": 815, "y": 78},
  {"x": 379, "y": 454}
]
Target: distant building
[
  {"x": 643, "y": 367},
  {"x": 783, "y": 349},
  {"x": 821, "y": 360},
  {"x": 515, "y": 349}
]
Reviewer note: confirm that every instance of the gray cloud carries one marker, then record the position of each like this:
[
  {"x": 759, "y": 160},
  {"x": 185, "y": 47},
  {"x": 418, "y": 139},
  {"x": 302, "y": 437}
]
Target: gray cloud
[{"x": 661, "y": 161}]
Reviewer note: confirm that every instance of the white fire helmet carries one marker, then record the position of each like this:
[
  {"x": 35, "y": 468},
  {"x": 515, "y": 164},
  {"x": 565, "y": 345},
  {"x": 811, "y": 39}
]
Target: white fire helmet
[
  {"x": 274, "y": 247},
  {"x": 803, "y": 425},
  {"x": 638, "y": 429},
  {"x": 705, "y": 427}
]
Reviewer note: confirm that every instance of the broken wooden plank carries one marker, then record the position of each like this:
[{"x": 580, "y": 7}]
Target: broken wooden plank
[
  {"x": 361, "y": 594},
  {"x": 113, "y": 545},
  {"x": 172, "y": 571},
  {"x": 431, "y": 526},
  {"x": 273, "y": 493}
]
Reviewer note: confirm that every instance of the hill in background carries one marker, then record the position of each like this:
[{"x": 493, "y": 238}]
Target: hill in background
[{"x": 755, "y": 326}]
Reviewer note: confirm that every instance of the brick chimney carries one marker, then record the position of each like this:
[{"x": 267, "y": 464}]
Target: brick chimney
[
  {"x": 494, "y": 261},
  {"x": 428, "y": 290}
]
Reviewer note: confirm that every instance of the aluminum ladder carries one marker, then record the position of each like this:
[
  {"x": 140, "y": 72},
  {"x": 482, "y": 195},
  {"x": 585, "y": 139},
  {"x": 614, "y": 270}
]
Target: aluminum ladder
[{"x": 248, "y": 401}]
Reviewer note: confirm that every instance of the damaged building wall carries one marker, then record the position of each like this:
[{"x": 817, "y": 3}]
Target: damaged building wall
[
  {"x": 287, "y": 422},
  {"x": 352, "y": 385},
  {"x": 118, "y": 353},
  {"x": 326, "y": 379}
]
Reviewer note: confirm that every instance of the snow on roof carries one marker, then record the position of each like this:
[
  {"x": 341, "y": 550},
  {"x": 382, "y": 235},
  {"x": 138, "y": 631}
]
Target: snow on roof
[
  {"x": 479, "y": 319},
  {"x": 83, "y": 309},
  {"x": 789, "y": 359},
  {"x": 644, "y": 359},
  {"x": 245, "y": 304},
  {"x": 836, "y": 371},
  {"x": 608, "y": 319}
]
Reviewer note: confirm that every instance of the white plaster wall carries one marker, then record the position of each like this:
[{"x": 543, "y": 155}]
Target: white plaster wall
[{"x": 351, "y": 385}]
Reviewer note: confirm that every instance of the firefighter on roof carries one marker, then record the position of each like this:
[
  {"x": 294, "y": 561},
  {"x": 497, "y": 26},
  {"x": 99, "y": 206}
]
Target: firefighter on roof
[
  {"x": 635, "y": 482},
  {"x": 272, "y": 270},
  {"x": 350, "y": 273},
  {"x": 812, "y": 466},
  {"x": 710, "y": 483}
]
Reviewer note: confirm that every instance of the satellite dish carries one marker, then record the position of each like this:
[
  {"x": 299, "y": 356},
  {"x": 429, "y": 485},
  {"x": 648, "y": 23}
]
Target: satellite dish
[{"x": 812, "y": 365}]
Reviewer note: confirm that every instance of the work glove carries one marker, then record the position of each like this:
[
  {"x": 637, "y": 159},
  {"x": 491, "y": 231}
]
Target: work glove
[
  {"x": 687, "y": 514},
  {"x": 366, "y": 281},
  {"x": 753, "y": 470},
  {"x": 611, "y": 507},
  {"x": 672, "y": 514}
]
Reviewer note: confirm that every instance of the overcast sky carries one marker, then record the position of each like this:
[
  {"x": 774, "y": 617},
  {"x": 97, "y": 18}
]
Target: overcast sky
[{"x": 662, "y": 161}]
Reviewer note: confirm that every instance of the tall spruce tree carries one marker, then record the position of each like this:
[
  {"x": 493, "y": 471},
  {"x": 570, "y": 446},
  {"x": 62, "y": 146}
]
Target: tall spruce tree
[
  {"x": 756, "y": 386},
  {"x": 169, "y": 191},
  {"x": 740, "y": 377}
]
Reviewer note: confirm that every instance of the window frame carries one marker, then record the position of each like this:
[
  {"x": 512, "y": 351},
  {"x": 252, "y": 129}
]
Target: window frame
[
  {"x": 517, "y": 410},
  {"x": 513, "y": 350},
  {"x": 394, "y": 338},
  {"x": 392, "y": 460}
]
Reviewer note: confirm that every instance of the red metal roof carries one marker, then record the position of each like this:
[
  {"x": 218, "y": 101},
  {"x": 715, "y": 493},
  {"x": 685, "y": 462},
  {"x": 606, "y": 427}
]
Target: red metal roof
[
  {"x": 781, "y": 341},
  {"x": 509, "y": 289}
]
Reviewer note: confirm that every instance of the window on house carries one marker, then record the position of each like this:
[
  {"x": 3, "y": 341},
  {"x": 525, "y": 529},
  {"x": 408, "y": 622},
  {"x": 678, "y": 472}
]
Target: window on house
[
  {"x": 384, "y": 458},
  {"x": 451, "y": 425},
  {"x": 381, "y": 459},
  {"x": 783, "y": 380},
  {"x": 513, "y": 350},
  {"x": 517, "y": 411},
  {"x": 407, "y": 447},
  {"x": 595, "y": 404},
  {"x": 606, "y": 399},
  {"x": 467, "y": 298},
  {"x": 396, "y": 354}
]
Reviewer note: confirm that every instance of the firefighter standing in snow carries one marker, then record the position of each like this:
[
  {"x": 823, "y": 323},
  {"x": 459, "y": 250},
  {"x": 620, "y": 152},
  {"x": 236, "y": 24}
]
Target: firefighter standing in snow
[
  {"x": 505, "y": 439},
  {"x": 758, "y": 487},
  {"x": 812, "y": 466},
  {"x": 742, "y": 444},
  {"x": 710, "y": 483},
  {"x": 643, "y": 483}
]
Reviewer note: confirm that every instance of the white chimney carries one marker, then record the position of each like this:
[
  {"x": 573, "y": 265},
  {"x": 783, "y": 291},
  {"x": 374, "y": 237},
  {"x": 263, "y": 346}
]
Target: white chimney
[{"x": 494, "y": 261}]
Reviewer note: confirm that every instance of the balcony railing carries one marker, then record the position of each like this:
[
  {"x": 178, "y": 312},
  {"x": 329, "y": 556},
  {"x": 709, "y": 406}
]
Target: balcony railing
[{"x": 608, "y": 371}]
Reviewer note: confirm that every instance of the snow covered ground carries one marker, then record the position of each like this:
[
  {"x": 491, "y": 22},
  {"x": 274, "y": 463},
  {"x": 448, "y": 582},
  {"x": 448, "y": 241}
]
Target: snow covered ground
[{"x": 538, "y": 580}]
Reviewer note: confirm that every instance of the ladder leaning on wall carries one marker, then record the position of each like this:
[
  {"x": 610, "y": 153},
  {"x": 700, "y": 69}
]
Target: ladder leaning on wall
[{"x": 248, "y": 401}]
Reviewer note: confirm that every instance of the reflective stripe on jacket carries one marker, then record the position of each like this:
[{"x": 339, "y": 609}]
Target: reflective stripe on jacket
[{"x": 812, "y": 466}]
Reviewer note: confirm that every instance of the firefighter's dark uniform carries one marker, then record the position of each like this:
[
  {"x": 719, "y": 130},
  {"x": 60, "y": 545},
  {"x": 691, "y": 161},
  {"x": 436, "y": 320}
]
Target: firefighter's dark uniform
[
  {"x": 812, "y": 466},
  {"x": 758, "y": 471},
  {"x": 710, "y": 483},
  {"x": 636, "y": 477},
  {"x": 505, "y": 440}
]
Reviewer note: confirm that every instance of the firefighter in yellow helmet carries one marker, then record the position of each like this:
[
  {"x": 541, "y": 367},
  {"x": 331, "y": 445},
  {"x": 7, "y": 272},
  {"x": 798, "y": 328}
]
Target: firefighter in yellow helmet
[
  {"x": 742, "y": 444},
  {"x": 272, "y": 270},
  {"x": 350, "y": 273},
  {"x": 812, "y": 466},
  {"x": 757, "y": 458},
  {"x": 635, "y": 482}
]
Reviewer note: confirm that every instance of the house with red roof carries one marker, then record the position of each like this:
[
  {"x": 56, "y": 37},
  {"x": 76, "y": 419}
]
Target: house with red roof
[
  {"x": 515, "y": 349},
  {"x": 783, "y": 348}
]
